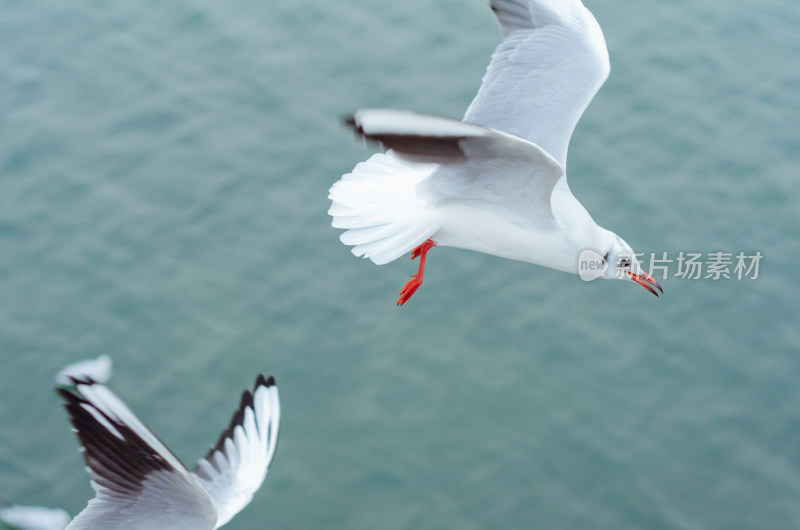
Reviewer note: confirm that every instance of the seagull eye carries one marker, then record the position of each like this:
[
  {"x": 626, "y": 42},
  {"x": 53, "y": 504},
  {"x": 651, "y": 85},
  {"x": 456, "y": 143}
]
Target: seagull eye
[{"x": 624, "y": 263}]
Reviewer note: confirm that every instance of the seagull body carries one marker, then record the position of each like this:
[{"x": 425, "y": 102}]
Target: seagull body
[
  {"x": 496, "y": 181},
  {"x": 140, "y": 484}
]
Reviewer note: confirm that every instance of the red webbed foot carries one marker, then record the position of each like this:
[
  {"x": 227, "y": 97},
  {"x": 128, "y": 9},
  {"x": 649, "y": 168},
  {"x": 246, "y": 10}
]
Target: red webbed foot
[
  {"x": 416, "y": 280},
  {"x": 409, "y": 289}
]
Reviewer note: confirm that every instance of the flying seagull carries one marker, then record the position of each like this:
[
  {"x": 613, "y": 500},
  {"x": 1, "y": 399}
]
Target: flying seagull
[
  {"x": 140, "y": 484},
  {"x": 32, "y": 518},
  {"x": 495, "y": 182}
]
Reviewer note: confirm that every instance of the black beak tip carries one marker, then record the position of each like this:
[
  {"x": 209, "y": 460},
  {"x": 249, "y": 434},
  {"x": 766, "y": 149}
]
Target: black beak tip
[{"x": 648, "y": 282}]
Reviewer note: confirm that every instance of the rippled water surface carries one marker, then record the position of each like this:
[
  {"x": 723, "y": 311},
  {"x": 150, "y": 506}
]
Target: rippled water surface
[{"x": 164, "y": 168}]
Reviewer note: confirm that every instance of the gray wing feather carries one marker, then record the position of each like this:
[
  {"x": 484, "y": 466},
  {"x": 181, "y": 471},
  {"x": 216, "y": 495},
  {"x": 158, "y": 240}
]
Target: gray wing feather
[{"x": 544, "y": 74}]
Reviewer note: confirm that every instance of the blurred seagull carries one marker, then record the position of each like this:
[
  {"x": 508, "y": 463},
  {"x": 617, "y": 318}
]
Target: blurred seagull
[
  {"x": 33, "y": 518},
  {"x": 140, "y": 484},
  {"x": 36, "y": 517},
  {"x": 496, "y": 181}
]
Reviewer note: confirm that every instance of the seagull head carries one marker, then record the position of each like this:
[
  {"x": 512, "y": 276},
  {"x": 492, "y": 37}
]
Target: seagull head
[{"x": 623, "y": 265}]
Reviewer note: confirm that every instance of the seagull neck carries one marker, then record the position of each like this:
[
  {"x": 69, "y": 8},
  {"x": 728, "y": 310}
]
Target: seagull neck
[
  {"x": 578, "y": 228},
  {"x": 568, "y": 211}
]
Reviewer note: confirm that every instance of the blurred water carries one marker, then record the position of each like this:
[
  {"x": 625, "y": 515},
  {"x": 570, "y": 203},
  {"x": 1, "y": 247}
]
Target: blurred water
[{"x": 163, "y": 178}]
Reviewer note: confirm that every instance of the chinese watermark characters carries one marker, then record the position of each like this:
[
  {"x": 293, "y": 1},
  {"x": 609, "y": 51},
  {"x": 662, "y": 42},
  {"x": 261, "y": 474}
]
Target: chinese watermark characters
[{"x": 715, "y": 265}]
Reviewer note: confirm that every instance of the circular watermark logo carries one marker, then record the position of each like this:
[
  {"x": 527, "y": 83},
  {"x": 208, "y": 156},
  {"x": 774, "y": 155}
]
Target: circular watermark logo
[{"x": 591, "y": 265}]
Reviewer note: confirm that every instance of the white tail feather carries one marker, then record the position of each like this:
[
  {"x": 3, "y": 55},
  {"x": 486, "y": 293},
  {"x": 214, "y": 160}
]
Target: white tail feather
[{"x": 379, "y": 206}]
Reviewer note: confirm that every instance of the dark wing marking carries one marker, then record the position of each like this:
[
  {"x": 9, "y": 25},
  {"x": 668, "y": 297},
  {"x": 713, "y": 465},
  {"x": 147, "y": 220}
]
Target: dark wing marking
[
  {"x": 138, "y": 482},
  {"x": 235, "y": 467},
  {"x": 427, "y": 148},
  {"x": 118, "y": 457}
]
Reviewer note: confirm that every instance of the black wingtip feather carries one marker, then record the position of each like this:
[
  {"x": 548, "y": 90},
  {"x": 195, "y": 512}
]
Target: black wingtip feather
[
  {"x": 263, "y": 381},
  {"x": 350, "y": 121},
  {"x": 63, "y": 393},
  {"x": 421, "y": 148},
  {"x": 238, "y": 417}
]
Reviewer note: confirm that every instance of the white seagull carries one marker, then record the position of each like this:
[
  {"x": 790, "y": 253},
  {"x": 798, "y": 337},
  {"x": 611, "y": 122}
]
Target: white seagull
[
  {"x": 140, "y": 484},
  {"x": 496, "y": 181}
]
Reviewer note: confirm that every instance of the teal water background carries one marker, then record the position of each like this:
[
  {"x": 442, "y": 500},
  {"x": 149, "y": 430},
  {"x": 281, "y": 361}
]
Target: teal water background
[{"x": 164, "y": 168}]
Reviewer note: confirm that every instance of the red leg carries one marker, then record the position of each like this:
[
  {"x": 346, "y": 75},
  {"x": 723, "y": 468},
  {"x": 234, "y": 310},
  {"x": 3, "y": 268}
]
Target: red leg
[{"x": 416, "y": 280}]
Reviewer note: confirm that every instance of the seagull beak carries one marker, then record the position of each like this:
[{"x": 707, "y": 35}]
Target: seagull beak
[{"x": 646, "y": 281}]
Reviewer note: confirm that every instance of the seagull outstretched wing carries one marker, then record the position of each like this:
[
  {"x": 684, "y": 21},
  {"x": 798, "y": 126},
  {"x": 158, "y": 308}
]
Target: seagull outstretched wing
[
  {"x": 477, "y": 164},
  {"x": 236, "y": 466},
  {"x": 138, "y": 481},
  {"x": 543, "y": 75}
]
